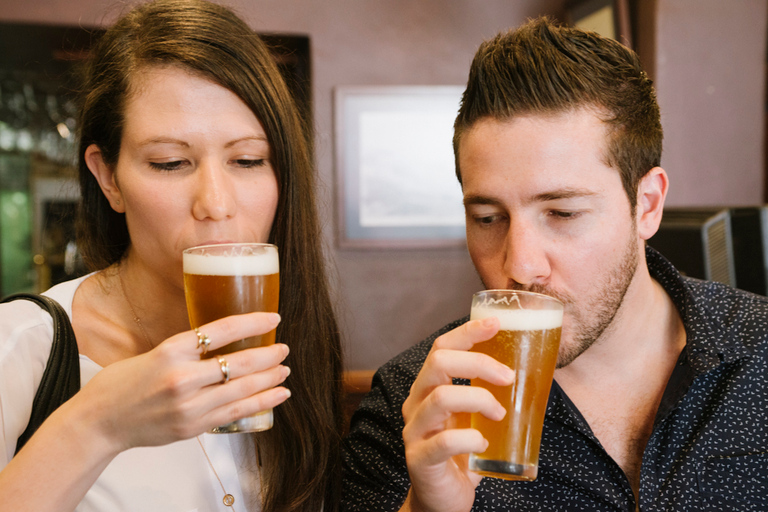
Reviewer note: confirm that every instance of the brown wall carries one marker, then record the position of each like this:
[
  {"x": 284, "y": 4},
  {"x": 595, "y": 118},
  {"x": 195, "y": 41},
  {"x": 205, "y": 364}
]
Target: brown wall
[{"x": 710, "y": 60}]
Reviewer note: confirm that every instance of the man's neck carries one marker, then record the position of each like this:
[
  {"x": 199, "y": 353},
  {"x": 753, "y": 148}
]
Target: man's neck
[{"x": 617, "y": 383}]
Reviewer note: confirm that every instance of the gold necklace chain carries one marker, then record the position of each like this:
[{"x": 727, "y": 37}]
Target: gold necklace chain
[{"x": 228, "y": 499}]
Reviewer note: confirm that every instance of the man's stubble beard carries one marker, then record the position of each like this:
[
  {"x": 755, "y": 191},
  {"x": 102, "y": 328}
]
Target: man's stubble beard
[{"x": 590, "y": 320}]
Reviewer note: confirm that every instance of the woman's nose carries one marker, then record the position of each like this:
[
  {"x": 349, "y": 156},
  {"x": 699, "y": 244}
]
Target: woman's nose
[{"x": 214, "y": 193}]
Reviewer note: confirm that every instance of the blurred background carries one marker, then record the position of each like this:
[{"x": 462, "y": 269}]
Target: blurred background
[{"x": 706, "y": 57}]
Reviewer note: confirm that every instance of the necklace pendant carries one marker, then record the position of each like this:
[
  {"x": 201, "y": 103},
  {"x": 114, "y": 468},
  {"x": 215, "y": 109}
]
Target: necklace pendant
[{"x": 228, "y": 500}]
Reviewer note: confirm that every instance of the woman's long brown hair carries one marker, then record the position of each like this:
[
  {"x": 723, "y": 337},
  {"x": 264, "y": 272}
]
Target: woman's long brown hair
[{"x": 300, "y": 456}]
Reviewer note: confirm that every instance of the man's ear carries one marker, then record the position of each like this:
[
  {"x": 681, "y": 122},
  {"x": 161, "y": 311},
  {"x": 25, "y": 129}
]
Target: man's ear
[
  {"x": 651, "y": 194},
  {"x": 105, "y": 175}
]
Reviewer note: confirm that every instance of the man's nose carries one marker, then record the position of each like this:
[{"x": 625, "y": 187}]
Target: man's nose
[{"x": 525, "y": 261}]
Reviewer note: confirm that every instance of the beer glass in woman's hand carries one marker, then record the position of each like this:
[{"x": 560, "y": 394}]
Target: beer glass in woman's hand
[{"x": 232, "y": 279}]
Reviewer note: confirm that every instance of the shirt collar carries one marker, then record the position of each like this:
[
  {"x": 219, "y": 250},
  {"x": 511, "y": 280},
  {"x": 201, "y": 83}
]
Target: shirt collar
[{"x": 709, "y": 313}]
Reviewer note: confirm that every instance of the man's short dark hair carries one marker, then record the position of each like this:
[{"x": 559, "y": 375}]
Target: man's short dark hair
[{"x": 543, "y": 68}]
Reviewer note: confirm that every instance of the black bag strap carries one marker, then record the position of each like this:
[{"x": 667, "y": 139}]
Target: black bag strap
[{"x": 61, "y": 379}]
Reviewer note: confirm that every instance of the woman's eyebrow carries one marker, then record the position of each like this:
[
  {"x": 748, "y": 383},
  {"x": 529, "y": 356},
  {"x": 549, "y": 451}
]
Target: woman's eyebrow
[
  {"x": 257, "y": 138},
  {"x": 163, "y": 140}
]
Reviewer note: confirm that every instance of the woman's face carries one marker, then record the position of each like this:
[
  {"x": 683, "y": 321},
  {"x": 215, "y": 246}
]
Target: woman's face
[{"x": 194, "y": 168}]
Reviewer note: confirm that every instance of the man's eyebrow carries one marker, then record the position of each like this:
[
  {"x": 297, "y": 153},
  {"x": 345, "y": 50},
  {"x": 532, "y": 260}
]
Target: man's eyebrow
[
  {"x": 551, "y": 195},
  {"x": 564, "y": 193},
  {"x": 478, "y": 199}
]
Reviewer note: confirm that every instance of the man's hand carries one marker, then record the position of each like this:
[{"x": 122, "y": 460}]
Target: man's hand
[{"x": 437, "y": 436}]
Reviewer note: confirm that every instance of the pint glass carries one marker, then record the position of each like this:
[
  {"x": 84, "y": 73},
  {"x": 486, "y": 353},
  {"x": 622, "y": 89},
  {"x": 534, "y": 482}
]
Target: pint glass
[
  {"x": 232, "y": 279},
  {"x": 527, "y": 342}
]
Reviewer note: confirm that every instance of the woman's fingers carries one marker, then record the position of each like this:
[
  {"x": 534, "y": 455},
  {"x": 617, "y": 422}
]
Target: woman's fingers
[
  {"x": 254, "y": 375},
  {"x": 226, "y": 330},
  {"x": 244, "y": 362},
  {"x": 243, "y": 387},
  {"x": 235, "y": 410}
]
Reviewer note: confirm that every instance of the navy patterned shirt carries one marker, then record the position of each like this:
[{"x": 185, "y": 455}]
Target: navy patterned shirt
[{"x": 708, "y": 450}]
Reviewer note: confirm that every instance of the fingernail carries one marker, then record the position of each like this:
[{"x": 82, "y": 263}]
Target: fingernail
[
  {"x": 274, "y": 318},
  {"x": 488, "y": 322},
  {"x": 287, "y": 393},
  {"x": 286, "y": 371},
  {"x": 508, "y": 374}
]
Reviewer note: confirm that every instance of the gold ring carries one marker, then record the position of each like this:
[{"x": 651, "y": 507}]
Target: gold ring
[
  {"x": 202, "y": 341},
  {"x": 224, "y": 365}
]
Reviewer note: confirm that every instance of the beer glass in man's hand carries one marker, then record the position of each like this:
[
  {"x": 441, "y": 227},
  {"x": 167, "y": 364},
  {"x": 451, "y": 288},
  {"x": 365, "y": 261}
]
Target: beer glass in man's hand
[
  {"x": 528, "y": 341},
  {"x": 232, "y": 279}
]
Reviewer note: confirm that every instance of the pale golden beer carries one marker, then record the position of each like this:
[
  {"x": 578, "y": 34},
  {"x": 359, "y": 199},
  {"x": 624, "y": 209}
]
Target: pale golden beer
[
  {"x": 232, "y": 279},
  {"x": 527, "y": 342}
]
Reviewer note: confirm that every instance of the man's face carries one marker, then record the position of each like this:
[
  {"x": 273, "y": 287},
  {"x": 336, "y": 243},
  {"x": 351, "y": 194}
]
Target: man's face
[{"x": 546, "y": 213}]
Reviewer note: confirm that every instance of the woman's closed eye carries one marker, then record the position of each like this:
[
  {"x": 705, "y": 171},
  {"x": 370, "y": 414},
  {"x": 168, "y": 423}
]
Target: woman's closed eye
[
  {"x": 168, "y": 165},
  {"x": 249, "y": 163}
]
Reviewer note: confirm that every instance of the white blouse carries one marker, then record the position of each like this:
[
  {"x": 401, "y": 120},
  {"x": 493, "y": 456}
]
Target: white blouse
[{"x": 175, "y": 477}]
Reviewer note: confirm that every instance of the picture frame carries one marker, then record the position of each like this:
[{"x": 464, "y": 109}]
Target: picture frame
[
  {"x": 395, "y": 167},
  {"x": 609, "y": 18}
]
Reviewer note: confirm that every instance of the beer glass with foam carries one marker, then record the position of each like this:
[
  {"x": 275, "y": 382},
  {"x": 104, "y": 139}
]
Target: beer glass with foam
[
  {"x": 232, "y": 279},
  {"x": 527, "y": 342}
]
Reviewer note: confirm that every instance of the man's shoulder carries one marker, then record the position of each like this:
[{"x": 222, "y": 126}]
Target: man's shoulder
[{"x": 729, "y": 312}]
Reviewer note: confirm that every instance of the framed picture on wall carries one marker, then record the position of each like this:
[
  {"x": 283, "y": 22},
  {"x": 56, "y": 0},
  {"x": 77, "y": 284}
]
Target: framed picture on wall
[
  {"x": 609, "y": 18},
  {"x": 397, "y": 186}
]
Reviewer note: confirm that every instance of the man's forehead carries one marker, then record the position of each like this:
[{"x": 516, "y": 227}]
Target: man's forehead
[
  {"x": 537, "y": 158},
  {"x": 536, "y": 139}
]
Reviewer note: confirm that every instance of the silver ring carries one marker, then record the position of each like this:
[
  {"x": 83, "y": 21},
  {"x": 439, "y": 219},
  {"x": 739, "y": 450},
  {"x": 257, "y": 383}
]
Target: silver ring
[
  {"x": 202, "y": 341},
  {"x": 224, "y": 365}
]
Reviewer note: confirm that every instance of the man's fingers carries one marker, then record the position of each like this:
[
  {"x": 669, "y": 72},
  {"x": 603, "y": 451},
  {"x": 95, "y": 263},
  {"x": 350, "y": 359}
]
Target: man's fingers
[
  {"x": 442, "y": 366},
  {"x": 467, "y": 335},
  {"x": 465, "y": 365},
  {"x": 447, "y": 444},
  {"x": 431, "y": 415}
]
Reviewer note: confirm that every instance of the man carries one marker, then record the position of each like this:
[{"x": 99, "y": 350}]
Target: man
[{"x": 659, "y": 399}]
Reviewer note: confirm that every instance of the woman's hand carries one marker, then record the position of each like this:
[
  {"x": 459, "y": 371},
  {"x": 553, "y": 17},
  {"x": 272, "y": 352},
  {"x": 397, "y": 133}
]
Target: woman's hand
[
  {"x": 169, "y": 393},
  {"x": 165, "y": 395}
]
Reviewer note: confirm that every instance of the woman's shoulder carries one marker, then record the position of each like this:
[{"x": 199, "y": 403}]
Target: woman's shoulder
[
  {"x": 19, "y": 317},
  {"x": 64, "y": 293},
  {"x": 26, "y": 336}
]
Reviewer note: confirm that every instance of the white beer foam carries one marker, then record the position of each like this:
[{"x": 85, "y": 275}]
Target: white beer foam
[
  {"x": 262, "y": 264},
  {"x": 521, "y": 319}
]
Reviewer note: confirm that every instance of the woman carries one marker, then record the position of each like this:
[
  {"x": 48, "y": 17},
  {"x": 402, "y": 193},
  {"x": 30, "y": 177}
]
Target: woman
[{"x": 188, "y": 136}]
